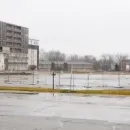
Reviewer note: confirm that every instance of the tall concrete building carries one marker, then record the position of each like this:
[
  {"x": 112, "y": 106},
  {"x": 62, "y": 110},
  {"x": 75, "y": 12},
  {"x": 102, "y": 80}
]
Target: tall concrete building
[
  {"x": 13, "y": 37},
  {"x": 14, "y": 46}
]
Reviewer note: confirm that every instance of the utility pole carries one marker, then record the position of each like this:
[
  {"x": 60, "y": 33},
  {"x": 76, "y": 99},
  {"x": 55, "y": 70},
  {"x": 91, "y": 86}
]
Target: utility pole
[{"x": 53, "y": 80}]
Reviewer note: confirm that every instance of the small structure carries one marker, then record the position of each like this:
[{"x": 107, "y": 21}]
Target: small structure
[{"x": 78, "y": 66}]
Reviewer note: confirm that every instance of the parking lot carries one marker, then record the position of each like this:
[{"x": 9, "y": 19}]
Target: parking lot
[{"x": 63, "y": 111}]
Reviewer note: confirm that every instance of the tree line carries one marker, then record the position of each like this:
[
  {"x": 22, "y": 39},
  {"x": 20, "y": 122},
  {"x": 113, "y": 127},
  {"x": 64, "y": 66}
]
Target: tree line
[{"x": 105, "y": 62}]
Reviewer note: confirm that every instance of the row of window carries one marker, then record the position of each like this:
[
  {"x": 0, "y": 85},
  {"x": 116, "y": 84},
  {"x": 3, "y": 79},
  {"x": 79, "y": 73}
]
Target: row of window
[{"x": 12, "y": 26}]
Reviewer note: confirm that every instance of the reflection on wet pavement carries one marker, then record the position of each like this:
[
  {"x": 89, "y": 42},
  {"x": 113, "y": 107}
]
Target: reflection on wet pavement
[{"x": 63, "y": 111}]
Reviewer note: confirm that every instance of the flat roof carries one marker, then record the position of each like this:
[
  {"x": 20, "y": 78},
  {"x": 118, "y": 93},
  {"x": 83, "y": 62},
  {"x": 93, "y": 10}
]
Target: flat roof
[
  {"x": 14, "y": 24},
  {"x": 68, "y": 62}
]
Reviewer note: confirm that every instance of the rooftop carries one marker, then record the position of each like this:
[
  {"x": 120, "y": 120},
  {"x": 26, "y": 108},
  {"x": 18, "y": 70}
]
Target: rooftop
[
  {"x": 13, "y": 24},
  {"x": 62, "y": 62}
]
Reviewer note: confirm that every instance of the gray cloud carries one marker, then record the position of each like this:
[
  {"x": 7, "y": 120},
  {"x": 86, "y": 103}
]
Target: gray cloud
[{"x": 73, "y": 26}]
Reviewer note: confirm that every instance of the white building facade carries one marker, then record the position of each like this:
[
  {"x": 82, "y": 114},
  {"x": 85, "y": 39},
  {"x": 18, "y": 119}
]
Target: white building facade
[
  {"x": 17, "y": 50},
  {"x": 32, "y": 57},
  {"x": 19, "y": 61},
  {"x": 2, "y": 64}
]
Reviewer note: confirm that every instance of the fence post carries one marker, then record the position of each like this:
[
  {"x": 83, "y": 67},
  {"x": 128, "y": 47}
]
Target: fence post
[{"x": 118, "y": 79}]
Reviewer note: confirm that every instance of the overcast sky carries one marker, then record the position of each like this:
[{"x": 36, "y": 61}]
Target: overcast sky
[{"x": 73, "y": 26}]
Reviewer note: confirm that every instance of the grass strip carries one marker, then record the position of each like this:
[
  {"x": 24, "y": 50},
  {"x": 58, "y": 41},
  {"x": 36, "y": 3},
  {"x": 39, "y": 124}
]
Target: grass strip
[{"x": 88, "y": 91}]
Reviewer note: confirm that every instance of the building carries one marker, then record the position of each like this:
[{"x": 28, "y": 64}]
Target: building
[
  {"x": 15, "y": 48},
  {"x": 125, "y": 65},
  {"x": 74, "y": 66},
  {"x": 13, "y": 38}
]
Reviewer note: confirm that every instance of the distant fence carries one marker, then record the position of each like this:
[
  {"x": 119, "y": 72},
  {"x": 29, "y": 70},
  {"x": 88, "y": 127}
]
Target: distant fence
[{"x": 72, "y": 81}]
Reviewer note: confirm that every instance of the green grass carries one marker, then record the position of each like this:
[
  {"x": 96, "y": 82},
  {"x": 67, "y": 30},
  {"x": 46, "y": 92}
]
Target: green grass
[{"x": 38, "y": 89}]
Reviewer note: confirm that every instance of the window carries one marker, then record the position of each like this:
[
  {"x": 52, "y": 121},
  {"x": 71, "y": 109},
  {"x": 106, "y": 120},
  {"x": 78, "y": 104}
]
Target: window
[{"x": 1, "y": 49}]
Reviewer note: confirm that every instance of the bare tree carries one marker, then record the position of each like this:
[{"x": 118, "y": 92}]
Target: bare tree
[
  {"x": 97, "y": 65},
  {"x": 106, "y": 61},
  {"x": 119, "y": 59},
  {"x": 73, "y": 58},
  {"x": 86, "y": 58},
  {"x": 32, "y": 67},
  {"x": 89, "y": 58},
  {"x": 55, "y": 56}
]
